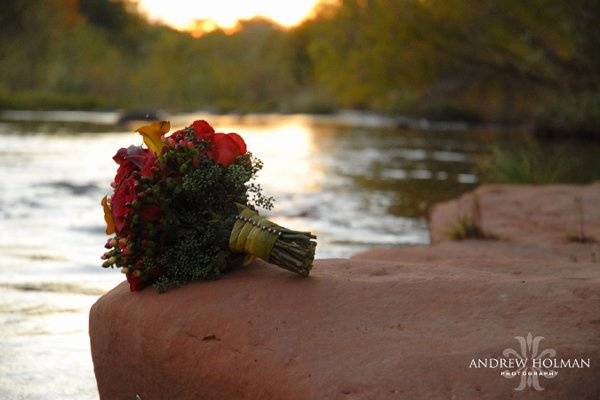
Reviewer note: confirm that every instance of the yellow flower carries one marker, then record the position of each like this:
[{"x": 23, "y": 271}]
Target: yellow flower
[
  {"x": 153, "y": 134},
  {"x": 110, "y": 225}
]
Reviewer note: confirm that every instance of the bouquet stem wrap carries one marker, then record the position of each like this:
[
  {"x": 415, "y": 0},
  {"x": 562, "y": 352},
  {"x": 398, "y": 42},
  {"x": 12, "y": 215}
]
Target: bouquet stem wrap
[{"x": 257, "y": 236}]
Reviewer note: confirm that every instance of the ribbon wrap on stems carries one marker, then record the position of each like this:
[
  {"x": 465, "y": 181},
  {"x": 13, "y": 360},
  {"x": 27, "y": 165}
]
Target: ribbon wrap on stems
[{"x": 259, "y": 237}]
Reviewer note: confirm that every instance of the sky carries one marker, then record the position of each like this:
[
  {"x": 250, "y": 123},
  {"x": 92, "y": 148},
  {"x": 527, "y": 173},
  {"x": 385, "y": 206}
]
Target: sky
[{"x": 181, "y": 14}]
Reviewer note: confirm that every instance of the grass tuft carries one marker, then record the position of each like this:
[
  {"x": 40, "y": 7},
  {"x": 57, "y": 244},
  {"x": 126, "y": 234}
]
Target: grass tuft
[
  {"x": 527, "y": 164},
  {"x": 466, "y": 228}
]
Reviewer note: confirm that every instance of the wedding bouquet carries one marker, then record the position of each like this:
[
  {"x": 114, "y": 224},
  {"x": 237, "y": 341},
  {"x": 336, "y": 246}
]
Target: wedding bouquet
[{"x": 184, "y": 209}]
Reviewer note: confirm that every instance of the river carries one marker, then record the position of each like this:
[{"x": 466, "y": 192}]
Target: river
[{"x": 354, "y": 186}]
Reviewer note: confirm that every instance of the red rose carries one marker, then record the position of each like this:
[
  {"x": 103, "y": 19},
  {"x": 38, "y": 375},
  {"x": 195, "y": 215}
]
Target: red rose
[
  {"x": 120, "y": 156},
  {"x": 238, "y": 141},
  {"x": 124, "y": 194},
  {"x": 149, "y": 164},
  {"x": 202, "y": 130},
  {"x": 176, "y": 137},
  {"x": 226, "y": 148},
  {"x": 135, "y": 282},
  {"x": 129, "y": 160}
]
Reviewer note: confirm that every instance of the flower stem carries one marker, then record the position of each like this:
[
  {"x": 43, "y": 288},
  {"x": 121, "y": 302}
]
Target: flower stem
[{"x": 286, "y": 248}]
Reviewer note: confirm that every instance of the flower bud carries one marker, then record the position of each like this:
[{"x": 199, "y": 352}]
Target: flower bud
[{"x": 111, "y": 261}]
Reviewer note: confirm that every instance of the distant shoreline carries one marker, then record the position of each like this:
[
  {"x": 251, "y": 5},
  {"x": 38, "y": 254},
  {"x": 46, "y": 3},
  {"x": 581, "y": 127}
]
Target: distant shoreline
[{"x": 349, "y": 118}]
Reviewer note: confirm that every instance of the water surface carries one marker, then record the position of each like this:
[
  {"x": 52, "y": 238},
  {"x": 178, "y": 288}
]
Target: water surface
[{"x": 355, "y": 187}]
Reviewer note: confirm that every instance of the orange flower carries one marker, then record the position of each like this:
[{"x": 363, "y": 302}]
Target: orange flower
[
  {"x": 110, "y": 225},
  {"x": 153, "y": 134}
]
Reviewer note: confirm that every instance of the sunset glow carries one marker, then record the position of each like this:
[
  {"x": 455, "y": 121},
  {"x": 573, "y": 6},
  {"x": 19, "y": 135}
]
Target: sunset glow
[{"x": 185, "y": 14}]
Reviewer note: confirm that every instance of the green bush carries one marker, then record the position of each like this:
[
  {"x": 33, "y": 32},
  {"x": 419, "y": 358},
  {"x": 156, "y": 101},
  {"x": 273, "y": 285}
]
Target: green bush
[
  {"x": 540, "y": 162},
  {"x": 571, "y": 116},
  {"x": 39, "y": 100}
]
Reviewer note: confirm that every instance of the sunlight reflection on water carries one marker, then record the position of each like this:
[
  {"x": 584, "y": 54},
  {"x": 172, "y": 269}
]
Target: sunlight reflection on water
[
  {"x": 289, "y": 149},
  {"x": 353, "y": 187}
]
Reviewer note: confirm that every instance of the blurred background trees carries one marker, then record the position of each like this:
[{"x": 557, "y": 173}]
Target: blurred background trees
[{"x": 507, "y": 61}]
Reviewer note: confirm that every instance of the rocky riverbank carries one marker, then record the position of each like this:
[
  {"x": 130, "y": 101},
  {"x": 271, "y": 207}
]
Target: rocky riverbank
[{"x": 399, "y": 323}]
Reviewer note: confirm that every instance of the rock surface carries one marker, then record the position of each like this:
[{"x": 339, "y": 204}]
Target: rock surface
[
  {"x": 546, "y": 215},
  {"x": 400, "y": 323}
]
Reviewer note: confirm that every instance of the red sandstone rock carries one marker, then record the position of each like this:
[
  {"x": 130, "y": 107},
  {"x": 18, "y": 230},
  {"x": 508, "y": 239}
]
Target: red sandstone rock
[
  {"x": 545, "y": 214},
  {"x": 354, "y": 330},
  {"x": 399, "y": 323}
]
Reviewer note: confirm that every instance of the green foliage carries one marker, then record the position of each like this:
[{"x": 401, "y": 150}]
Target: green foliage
[
  {"x": 48, "y": 100},
  {"x": 527, "y": 164},
  {"x": 578, "y": 114},
  {"x": 496, "y": 59},
  {"x": 505, "y": 61},
  {"x": 200, "y": 209}
]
